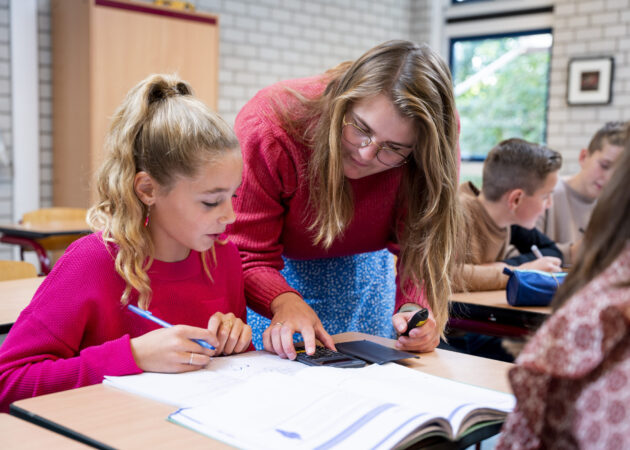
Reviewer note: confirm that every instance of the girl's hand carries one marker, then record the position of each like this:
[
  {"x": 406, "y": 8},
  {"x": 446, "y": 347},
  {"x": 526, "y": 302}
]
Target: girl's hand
[
  {"x": 232, "y": 335},
  {"x": 170, "y": 350},
  {"x": 291, "y": 315},
  {"x": 420, "y": 339}
]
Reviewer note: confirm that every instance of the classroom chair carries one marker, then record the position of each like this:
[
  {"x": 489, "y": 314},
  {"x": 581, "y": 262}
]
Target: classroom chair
[
  {"x": 54, "y": 245},
  {"x": 13, "y": 270}
]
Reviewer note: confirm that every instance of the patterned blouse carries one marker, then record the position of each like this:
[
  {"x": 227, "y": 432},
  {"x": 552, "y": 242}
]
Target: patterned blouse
[{"x": 572, "y": 380}]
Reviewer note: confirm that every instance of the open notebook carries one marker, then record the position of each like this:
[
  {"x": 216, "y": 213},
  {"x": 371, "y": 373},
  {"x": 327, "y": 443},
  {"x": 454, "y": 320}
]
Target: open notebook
[{"x": 257, "y": 400}]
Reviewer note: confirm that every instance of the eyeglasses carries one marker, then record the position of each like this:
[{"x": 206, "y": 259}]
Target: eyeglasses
[{"x": 357, "y": 137}]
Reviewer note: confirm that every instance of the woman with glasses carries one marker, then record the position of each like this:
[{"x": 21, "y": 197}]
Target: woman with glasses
[{"x": 338, "y": 167}]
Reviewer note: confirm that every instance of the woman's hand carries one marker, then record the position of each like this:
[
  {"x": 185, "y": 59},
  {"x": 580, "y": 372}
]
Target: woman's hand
[
  {"x": 546, "y": 264},
  {"x": 420, "y": 339},
  {"x": 291, "y": 315},
  {"x": 232, "y": 335},
  {"x": 170, "y": 350}
]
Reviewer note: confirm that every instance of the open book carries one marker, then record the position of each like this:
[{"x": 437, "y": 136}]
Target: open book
[{"x": 257, "y": 400}]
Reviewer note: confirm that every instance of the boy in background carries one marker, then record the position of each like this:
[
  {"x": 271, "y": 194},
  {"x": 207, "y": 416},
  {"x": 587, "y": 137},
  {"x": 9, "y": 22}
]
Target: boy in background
[
  {"x": 518, "y": 179},
  {"x": 575, "y": 197}
]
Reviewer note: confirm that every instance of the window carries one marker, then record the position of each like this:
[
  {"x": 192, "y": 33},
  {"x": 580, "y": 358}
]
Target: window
[
  {"x": 500, "y": 54},
  {"x": 501, "y": 89}
]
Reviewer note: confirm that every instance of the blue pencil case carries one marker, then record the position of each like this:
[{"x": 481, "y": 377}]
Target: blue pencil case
[{"x": 532, "y": 287}]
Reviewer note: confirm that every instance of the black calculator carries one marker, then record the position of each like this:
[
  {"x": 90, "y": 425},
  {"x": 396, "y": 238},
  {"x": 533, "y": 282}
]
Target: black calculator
[{"x": 326, "y": 357}]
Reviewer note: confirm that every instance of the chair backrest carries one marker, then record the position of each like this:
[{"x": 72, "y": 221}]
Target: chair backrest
[
  {"x": 12, "y": 270},
  {"x": 45, "y": 216},
  {"x": 54, "y": 214}
]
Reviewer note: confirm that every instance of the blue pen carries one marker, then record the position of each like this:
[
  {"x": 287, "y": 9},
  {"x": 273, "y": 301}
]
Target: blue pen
[{"x": 151, "y": 317}]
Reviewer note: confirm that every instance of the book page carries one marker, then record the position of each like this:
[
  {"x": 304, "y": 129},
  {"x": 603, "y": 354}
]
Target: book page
[
  {"x": 275, "y": 411},
  {"x": 403, "y": 386},
  {"x": 258, "y": 397},
  {"x": 222, "y": 374}
]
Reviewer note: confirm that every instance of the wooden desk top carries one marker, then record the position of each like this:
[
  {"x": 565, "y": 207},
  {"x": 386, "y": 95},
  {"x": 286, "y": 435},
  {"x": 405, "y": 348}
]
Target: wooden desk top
[
  {"x": 488, "y": 373},
  {"x": 495, "y": 299},
  {"x": 123, "y": 420},
  {"x": 116, "y": 418},
  {"x": 39, "y": 231},
  {"x": 20, "y": 434},
  {"x": 15, "y": 295}
]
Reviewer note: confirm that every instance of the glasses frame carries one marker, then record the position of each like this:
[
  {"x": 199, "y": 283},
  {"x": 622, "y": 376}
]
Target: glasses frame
[{"x": 370, "y": 141}]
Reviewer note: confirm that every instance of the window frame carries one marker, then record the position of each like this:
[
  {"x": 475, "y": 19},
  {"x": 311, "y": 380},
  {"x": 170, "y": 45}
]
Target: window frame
[
  {"x": 452, "y": 43},
  {"x": 479, "y": 19}
]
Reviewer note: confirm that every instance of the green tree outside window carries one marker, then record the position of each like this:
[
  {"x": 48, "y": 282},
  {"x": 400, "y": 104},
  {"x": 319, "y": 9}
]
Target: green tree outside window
[{"x": 501, "y": 89}]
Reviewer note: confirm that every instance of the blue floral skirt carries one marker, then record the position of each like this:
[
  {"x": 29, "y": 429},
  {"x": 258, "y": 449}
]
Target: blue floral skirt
[{"x": 350, "y": 293}]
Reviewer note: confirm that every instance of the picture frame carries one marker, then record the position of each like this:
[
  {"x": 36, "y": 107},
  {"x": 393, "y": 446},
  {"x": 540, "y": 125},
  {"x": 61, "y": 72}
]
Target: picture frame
[{"x": 590, "y": 81}]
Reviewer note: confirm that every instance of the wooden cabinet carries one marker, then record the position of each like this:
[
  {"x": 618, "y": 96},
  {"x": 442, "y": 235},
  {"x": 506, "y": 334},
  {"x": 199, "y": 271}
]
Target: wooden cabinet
[{"x": 100, "y": 50}]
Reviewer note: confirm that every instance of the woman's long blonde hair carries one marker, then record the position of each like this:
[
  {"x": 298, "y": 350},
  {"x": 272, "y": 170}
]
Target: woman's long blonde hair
[
  {"x": 418, "y": 82},
  {"x": 161, "y": 129}
]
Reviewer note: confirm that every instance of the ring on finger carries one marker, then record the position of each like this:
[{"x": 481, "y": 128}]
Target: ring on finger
[
  {"x": 278, "y": 324},
  {"x": 190, "y": 361}
]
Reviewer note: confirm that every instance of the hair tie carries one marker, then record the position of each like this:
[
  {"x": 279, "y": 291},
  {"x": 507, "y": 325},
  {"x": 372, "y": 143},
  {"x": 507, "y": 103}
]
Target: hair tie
[{"x": 160, "y": 92}]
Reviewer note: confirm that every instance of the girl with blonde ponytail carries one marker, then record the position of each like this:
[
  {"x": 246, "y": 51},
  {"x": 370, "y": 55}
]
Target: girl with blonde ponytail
[
  {"x": 339, "y": 166},
  {"x": 165, "y": 194}
]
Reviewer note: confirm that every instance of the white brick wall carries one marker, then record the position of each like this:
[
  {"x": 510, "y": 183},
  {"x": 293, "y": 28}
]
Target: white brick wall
[
  {"x": 45, "y": 101},
  {"x": 584, "y": 28},
  {"x": 6, "y": 186},
  {"x": 264, "y": 41},
  {"x": 45, "y": 111},
  {"x": 421, "y": 20}
]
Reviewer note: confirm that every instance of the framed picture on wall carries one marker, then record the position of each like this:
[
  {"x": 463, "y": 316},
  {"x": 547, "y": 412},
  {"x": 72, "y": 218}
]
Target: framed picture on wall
[{"x": 590, "y": 81}]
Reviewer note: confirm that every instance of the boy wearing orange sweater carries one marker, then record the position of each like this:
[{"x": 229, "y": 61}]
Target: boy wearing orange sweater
[{"x": 518, "y": 180}]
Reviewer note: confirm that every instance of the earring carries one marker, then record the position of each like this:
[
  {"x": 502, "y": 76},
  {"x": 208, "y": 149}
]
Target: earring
[{"x": 146, "y": 219}]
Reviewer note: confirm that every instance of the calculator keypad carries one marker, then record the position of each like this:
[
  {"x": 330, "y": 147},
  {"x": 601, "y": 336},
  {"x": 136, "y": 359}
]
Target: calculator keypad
[{"x": 326, "y": 357}]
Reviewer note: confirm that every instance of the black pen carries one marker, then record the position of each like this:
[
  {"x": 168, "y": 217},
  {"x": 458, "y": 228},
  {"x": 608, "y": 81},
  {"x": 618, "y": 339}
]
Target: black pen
[{"x": 417, "y": 320}]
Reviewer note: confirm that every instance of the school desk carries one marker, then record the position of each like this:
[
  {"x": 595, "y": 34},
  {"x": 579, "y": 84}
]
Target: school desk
[
  {"x": 488, "y": 312},
  {"x": 19, "y": 434},
  {"x": 15, "y": 295},
  {"x": 27, "y": 236},
  {"x": 110, "y": 418}
]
